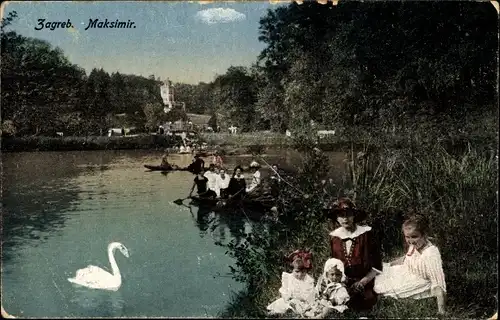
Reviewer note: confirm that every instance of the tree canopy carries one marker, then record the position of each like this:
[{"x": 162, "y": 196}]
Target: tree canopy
[{"x": 371, "y": 65}]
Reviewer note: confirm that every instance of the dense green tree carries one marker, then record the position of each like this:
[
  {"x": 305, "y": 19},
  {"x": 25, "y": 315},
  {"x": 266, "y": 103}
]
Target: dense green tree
[
  {"x": 196, "y": 97},
  {"x": 153, "y": 116},
  {"x": 376, "y": 63},
  {"x": 118, "y": 93},
  {"x": 234, "y": 95},
  {"x": 38, "y": 83},
  {"x": 357, "y": 65},
  {"x": 95, "y": 101}
]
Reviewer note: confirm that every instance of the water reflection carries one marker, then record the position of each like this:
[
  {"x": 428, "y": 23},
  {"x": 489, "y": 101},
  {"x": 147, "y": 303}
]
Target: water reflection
[
  {"x": 60, "y": 210},
  {"x": 36, "y": 189},
  {"x": 98, "y": 302},
  {"x": 239, "y": 221}
]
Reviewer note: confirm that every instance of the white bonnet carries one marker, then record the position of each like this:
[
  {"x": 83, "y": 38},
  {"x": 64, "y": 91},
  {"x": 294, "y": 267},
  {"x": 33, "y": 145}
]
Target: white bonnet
[
  {"x": 330, "y": 263},
  {"x": 254, "y": 164}
]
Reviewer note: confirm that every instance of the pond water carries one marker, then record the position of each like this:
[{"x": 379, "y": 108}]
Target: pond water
[{"x": 60, "y": 210}]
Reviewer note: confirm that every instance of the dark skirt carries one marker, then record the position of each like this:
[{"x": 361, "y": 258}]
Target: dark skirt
[{"x": 363, "y": 300}]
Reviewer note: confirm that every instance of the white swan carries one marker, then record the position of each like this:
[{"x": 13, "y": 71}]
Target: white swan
[{"x": 97, "y": 278}]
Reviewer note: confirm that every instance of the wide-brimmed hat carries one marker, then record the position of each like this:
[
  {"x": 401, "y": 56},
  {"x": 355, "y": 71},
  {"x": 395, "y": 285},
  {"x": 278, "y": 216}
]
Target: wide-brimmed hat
[
  {"x": 254, "y": 164},
  {"x": 345, "y": 207}
]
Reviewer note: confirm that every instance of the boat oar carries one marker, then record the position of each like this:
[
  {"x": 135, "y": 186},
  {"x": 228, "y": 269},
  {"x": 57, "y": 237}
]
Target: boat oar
[
  {"x": 223, "y": 203},
  {"x": 179, "y": 202},
  {"x": 237, "y": 193}
]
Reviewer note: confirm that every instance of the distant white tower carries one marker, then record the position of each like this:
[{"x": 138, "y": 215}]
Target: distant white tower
[{"x": 167, "y": 94}]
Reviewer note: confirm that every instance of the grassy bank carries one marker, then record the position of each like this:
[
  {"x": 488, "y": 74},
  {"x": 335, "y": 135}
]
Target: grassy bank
[
  {"x": 246, "y": 139},
  {"x": 41, "y": 143},
  {"x": 457, "y": 190},
  {"x": 357, "y": 139},
  {"x": 253, "y": 142}
]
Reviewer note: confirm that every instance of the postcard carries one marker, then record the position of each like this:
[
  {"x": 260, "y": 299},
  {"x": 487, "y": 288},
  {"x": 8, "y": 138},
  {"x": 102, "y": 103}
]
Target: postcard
[{"x": 214, "y": 159}]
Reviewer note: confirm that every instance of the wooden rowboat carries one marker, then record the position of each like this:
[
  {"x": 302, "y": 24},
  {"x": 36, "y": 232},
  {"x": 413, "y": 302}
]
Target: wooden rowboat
[
  {"x": 247, "y": 202},
  {"x": 157, "y": 168}
]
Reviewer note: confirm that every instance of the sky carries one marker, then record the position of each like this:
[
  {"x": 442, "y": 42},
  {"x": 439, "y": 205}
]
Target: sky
[{"x": 186, "y": 42}]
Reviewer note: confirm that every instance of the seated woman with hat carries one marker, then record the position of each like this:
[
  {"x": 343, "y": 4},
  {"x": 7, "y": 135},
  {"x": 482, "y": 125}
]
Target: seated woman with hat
[
  {"x": 237, "y": 185},
  {"x": 355, "y": 245},
  {"x": 254, "y": 166}
]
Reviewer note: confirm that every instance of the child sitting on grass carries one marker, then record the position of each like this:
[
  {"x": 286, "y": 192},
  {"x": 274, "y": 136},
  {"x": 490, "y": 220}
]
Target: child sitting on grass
[
  {"x": 418, "y": 274},
  {"x": 331, "y": 292},
  {"x": 297, "y": 288}
]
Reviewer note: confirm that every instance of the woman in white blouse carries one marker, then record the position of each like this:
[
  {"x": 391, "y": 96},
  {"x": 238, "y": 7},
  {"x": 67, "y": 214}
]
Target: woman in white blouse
[
  {"x": 255, "y": 177},
  {"x": 221, "y": 184},
  {"x": 418, "y": 274}
]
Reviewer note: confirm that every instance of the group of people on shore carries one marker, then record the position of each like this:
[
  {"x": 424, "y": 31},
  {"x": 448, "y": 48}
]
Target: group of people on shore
[{"x": 355, "y": 275}]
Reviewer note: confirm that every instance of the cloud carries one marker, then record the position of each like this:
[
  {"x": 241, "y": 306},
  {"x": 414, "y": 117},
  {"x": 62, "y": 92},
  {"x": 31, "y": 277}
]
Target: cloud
[
  {"x": 219, "y": 15},
  {"x": 74, "y": 32}
]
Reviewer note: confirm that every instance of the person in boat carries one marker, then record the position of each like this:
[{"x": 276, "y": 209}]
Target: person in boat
[
  {"x": 254, "y": 166},
  {"x": 197, "y": 165},
  {"x": 188, "y": 149},
  {"x": 237, "y": 184},
  {"x": 211, "y": 175},
  {"x": 222, "y": 183},
  {"x": 201, "y": 183},
  {"x": 182, "y": 149},
  {"x": 164, "y": 162},
  {"x": 217, "y": 160}
]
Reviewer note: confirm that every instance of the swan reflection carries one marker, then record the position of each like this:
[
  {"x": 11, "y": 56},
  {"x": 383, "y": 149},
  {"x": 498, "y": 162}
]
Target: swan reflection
[{"x": 98, "y": 303}]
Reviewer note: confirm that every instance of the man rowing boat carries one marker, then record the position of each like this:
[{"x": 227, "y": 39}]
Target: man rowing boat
[
  {"x": 197, "y": 165},
  {"x": 201, "y": 182}
]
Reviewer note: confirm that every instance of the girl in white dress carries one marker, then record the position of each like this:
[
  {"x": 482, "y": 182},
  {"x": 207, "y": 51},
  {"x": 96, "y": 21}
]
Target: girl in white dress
[
  {"x": 297, "y": 288},
  {"x": 419, "y": 274}
]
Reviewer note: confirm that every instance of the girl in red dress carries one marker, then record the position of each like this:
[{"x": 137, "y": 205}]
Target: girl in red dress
[{"x": 355, "y": 245}]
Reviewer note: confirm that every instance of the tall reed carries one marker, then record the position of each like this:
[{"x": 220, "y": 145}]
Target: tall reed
[{"x": 457, "y": 192}]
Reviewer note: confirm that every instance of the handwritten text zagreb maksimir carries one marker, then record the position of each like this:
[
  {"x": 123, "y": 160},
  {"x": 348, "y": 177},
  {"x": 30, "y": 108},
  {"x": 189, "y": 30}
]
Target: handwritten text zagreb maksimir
[
  {"x": 96, "y": 24},
  {"x": 93, "y": 24}
]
